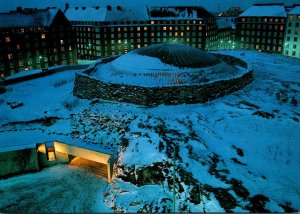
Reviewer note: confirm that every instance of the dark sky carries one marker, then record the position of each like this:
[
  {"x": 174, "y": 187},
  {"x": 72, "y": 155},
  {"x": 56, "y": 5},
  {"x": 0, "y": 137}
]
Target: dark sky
[{"x": 211, "y": 5}]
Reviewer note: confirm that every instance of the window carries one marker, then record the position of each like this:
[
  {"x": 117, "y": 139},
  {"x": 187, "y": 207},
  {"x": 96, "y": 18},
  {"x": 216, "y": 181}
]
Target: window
[
  {"x": 145, "y": 28},
  {"x": 10, "y": 56},
  {"x": 7, "y": 39},
  {"x": 18, "y": 46},
  {"x": 164, "y": 28},
  {"x": 296, "y": 31},
  {"x": 61, "y": 41},
  {"x": 119, "y": 41},
  {"x": 119, "y": 29},
  {"x": 43, "y": 36},
  {"x": 138, "y": 29},
  {"x": 187, "y": 28},
  {"x": 170, "y": 28},
  {"x": 152, "y": 22},
  {"x": 295, "y": 39},
  {"x": 200, "y": 28},
  {"x": 291, "y": 16},
  {"x": 281, "y": 27}
]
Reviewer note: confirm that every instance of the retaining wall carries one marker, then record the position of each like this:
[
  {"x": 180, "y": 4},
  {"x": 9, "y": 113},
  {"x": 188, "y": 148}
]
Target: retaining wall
[
  {"x": 18, "y": 162},
  {"x": 89, "y": 88}
]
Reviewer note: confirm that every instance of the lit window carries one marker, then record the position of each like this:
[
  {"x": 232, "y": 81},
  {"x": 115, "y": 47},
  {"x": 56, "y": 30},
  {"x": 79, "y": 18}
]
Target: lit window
[
  {"x": 70, "y": 48},
  {"x": 181, "y": 34},
  {"x": 152, "y": 22},
  {"x": 200, "y": 22},
  {"x": 176, "y": 33},
  {"x": 119, "y": 41},
  {"x": 119, "y": 29},
  {"x": 200, "y": 28},
  {"x": 138, "y": 34},
  {"x": 296, "y": 31},
  {"x": 88, "y": 29},
  {"x": 61, "y": 42},
  {"x": 298, "y": 17},
  {"x": 145, "y": 28},
  {"x": 138, "y": 45},
  {"x": 164, "y": 28},
  {"x": 10, "y": 56},
  {"x": 187, "y": 39},
  {"x": 291, "y": 17},
  {"x": 138, "y": 28},
  {"x": 170, "y": 28},
  {"x": 7, "y": 39},
  {"x": 187, "y": 28},
  {"x": 43, "y": 36},
  {"x": 18, "y": 46},
  {"x": 51, "y": 153}
]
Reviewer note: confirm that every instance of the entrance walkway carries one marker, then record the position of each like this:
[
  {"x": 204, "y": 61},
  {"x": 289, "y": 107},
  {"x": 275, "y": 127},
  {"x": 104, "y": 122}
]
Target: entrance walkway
[{"x": 98, "y": 169}]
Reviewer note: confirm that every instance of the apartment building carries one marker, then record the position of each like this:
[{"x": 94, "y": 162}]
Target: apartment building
[
  {"x": 292, "y": 35},
  {"x": 32, "y": 39},
  {"x": 262, "y": 28},
  {"x": 109, "y": 31}
]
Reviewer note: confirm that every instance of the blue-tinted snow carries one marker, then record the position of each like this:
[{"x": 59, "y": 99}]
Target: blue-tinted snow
[{"x": 265, "y": 11}]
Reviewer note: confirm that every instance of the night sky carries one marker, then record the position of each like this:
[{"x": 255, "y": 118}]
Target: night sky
[{"x": 212, "y": 5}]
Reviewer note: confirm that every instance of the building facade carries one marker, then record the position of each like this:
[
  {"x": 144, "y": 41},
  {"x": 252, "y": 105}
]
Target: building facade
[
  {"x": 292, "y": 35},
  {"x": 33, "y": 39},
  {"x": 262, "y": 28},
  {"x": 109, "y": 31},
  {"x": 226, "y": 33}
]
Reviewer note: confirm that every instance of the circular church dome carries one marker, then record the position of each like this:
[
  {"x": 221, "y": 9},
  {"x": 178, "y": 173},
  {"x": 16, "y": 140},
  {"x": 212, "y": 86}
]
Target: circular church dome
[
  {"x": 164, "y": 74},
  {"x": 165, "y": 65}
]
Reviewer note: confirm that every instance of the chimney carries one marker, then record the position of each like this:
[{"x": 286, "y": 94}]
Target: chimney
[
  {"x": 119, "y": 8},
  {"x": 108, "y": 7}
]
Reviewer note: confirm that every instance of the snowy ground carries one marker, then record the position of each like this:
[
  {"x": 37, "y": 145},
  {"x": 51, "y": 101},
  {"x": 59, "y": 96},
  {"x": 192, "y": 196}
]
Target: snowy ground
[
  {"x": 57, "y": 189},
  {"x": 242, "y": 150}
]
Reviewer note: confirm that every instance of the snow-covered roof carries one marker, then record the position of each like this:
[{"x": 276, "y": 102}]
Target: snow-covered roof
[
  {"x": 178, "y": 12},
  {"x": 27, "y": 18},
  {"x": 87, "y": 14},
  {"x": 103, "y": 14},
  {"x": 265, "y": 11},
  {"x": 295, "y": 10}
]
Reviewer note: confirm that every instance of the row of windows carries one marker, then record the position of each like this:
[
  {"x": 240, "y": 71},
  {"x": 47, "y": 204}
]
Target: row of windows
[
  {"x": 138, "y": 22},
  {"x": 294, "y": 16},
  {"x": 259, "y": 19},
  {"x": 296, "y": 31},
  {"x": 262, "y": 33},
  {"x": 263, "y": 26},
  {"x": 289, "y": 39},
  {"x": 290, "y": 24},
  {"x": 262, "y": 47},
  {"x": 294, "y": 46},
  {"x": 91, "y": 30},
  {"x": 261, "y": 40}
]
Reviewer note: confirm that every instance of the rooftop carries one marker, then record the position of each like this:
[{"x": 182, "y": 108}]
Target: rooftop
[
  {"x": 265, "y": 11},
  {"x": 107, "y": 14},
  {"x": 178, "y": 12},
  {"x": 295, "y": 10},
  {"x": 28, "y": 18}
]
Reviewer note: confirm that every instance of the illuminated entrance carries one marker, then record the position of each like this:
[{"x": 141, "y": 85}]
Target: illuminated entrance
[
  {"x": 97, "y": 162},
  {"x": 87, "y": 154}
]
